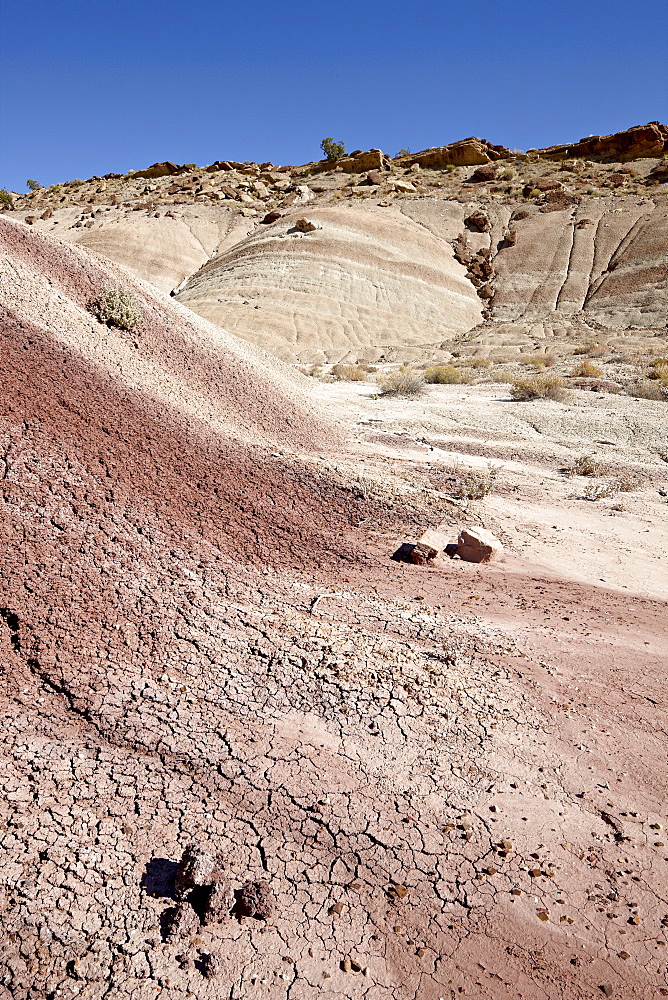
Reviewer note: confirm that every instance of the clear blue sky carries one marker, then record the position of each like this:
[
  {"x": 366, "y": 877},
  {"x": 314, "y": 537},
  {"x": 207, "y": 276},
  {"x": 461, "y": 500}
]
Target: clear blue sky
[{"x": 92, "y": 87}]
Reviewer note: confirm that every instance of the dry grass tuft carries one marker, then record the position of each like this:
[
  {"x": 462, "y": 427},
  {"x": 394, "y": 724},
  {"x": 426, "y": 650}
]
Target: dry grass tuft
[
  {"x": 587, "y": 370},
  {"x": 443, "y": 375},
  {"x": 402, "y": 383},
  {"x": 538, "y": 387},
  {"x": 648, "y": 389},
  {"x": 349, "y": 373},
  {"x": 586, "y": 465}
]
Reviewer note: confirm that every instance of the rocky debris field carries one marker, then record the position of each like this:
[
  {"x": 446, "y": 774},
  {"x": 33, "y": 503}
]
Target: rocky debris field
[{"x": 247, "y": 753}]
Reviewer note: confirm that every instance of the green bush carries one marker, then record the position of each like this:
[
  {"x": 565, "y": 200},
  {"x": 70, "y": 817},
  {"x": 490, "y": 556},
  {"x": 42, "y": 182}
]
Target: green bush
[
  {"x": 332, "y": 149},
  {"x": 443, "y": 375},
  {"x": 34, "y": 185},
  {"x": 6, "y": 200},
  {"x": 116, "y": 307},
  {"x": 538, "y": 387},
  {"x": 404, "y": 382}
]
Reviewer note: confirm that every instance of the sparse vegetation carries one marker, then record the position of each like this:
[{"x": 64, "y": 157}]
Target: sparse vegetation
[
  {"x": 474, "y": 363},
  {"x": 332, "y": 149},
  {"x": 601, "y": 491},
  {"x": 537, "y": 360},
  {"x": 538, "y": 387},
  {"x": 117, "y": 307},
  {"x": 471, "y": 484},
  {"x": 349, "y": 373},
  {"x": 443, "y": 375},
  {"x": 405, "y": 383},
  {"x": 587, "y": 370},
  {"x": 6, "y": 200},
  {"x": 586, "y": 465},
  {"x": 648, "y": 389}
]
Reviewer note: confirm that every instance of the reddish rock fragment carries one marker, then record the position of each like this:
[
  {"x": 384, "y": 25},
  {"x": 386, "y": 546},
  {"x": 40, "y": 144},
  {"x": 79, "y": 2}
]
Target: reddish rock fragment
[
  {"x": 211, "y": 965},
  {"x": 218, "y": 904},
  {"x": 478, "y": 545},
  {"x": 255, "y": 899},
  {"x": 195, "y": 869},
  {"x": 179, "y": 922}
]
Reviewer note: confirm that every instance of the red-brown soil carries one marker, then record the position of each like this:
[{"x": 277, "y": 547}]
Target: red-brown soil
[{"x": 204, "y": 639}]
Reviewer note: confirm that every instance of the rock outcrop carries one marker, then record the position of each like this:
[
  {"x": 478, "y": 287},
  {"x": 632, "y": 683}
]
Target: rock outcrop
[{"x": 631, "y": 144}]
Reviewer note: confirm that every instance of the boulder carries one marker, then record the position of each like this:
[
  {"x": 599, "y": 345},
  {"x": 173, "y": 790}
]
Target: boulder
[
  {"x": 270, "y": 217},
  {"x": 483, "y": 174},
  {"x": 478, "y": 221},
  {"x": 373, "y": 177},
  {"x": 478, "y": 545},
  {"x": 404, "y": 187},
  {"x": 305, "y": 226}
]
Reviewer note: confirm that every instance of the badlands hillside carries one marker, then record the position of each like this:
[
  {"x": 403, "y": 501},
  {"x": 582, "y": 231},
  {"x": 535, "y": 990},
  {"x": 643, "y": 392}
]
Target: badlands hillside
[
  {"x": 247, "y": 750},
  {"x": 462, "y": 248}
]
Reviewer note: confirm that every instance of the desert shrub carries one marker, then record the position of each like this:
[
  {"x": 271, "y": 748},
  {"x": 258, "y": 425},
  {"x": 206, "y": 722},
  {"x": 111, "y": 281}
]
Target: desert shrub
[
  {"x": 507, "y": 175},
  {"x": 647, "y": 389},
  {"x": 117, "y": 307},
  {"x": 6, "y": 200},
  {"x": 349, "y": 373},
  {"x": 538, "y": 387},
  {"x": 471, "y": 484},
  {"x": 658, "y": 369},
  {"x": 586, "y": 465},
  {"x": 597, "y": 350},
  {"x": 404, "y": 382},
  {"x": 315, "y": 371},
  {"x": 537, "y": 360},
  {"x": 404, "y": 152},
  {"x": 33, "y": 185},
  {"x": 586, "y": 370},
  {"x": 332, "y": 149},
  {"x": 475, "y": 363},
  {"x": 626, "y": 483},
  {"x": 443, "y": 375}
]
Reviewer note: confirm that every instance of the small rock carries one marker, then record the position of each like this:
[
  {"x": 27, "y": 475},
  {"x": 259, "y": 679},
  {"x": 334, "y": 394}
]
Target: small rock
[
  {"x": 346, "y": 965},
  {"x": 195, "y": 868},
  {"x": 270, "y": 217},
  {"x": 179, "y": 922},
  {"x": 219, "y": 903},
  {"x": 478, "y": 545},
  {"x": 305, "y": 226},
  {"x": 212, "y": 966},
  {"x": 255, "y": 899},
  {"x": 30, "y": 219},
  {"x": 606, "y": 989},
  {"x": 421, "y": 554},
  {"x": 47, "y": 213}
]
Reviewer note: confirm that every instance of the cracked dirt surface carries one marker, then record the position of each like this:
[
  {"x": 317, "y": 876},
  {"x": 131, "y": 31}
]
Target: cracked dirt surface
[{"x": 450, "y": 785}]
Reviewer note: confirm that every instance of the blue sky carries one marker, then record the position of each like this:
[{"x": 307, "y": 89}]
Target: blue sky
[{"x": 90, "y": 87}]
